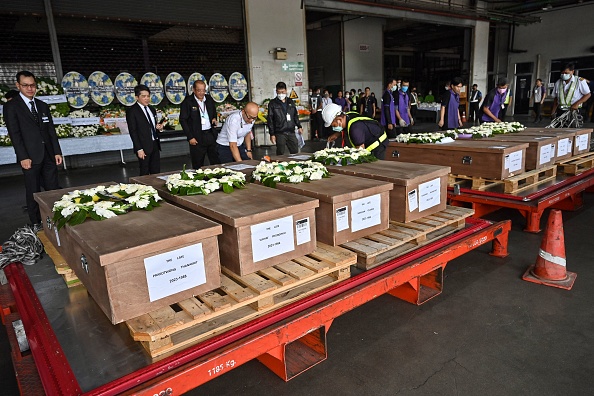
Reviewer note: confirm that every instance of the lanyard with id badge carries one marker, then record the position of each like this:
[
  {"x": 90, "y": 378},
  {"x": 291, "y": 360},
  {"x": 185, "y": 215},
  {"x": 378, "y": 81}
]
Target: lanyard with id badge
[{"x": 203, "y": 114}]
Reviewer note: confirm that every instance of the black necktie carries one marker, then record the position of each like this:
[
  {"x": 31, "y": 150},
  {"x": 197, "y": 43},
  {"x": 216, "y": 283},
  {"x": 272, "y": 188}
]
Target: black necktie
[
  {"x": 151, "y": 123},
  {"x": 34, "y": 112}
]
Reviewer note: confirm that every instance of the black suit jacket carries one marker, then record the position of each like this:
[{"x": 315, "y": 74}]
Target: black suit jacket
[
  {"x": 191, "y": 122},
  {"x": 28, "y": 138},
  {"x": 140, "y": 128}
]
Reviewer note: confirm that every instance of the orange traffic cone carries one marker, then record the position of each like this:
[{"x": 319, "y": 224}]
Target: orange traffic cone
[
  {"x": 463, "y": 116},
  {"x": 550, "y": 264}
]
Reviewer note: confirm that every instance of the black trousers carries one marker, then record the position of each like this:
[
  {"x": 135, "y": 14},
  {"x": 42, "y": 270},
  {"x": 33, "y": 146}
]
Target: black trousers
[
  {"x": 502, "y": 113},
  {"x": 151, "y": 164},
  {"x": 45, "y": 173},
  {"x": 474, "y": 111},
  {"x": 537, "y": 112},
  {"x": 200, "y": 151},
  {"x": 286, "y": 139},
  {"x": 225, "y": 154}
]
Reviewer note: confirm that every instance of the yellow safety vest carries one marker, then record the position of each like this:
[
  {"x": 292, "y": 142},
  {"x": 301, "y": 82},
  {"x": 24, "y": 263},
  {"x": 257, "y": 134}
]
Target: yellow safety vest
[{"x": 373, "y": 145}]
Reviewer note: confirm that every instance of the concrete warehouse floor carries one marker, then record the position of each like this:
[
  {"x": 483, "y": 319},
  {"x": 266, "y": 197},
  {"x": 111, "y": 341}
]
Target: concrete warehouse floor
[{"x": 488, "y": 333}]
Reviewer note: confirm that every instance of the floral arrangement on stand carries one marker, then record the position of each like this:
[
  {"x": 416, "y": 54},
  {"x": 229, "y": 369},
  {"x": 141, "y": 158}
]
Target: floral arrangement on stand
[
  {"x": 3, "y": 91},
  {"x": 64, "y": 131},
  {"x": 224, "y": 109},
  {"x": 83, "y": 130},
  {"x": 103, "y": 202},
  {"x": 271, "y": 173},
  {"x": 435, "y": 137},
  {"x": 47, "y": 86},
  {"x": 171, "y": 113},
  {"x": 107, "y": 112},
  {"x": 204, "y": 181},
  {"x": 343, "y": 156}
]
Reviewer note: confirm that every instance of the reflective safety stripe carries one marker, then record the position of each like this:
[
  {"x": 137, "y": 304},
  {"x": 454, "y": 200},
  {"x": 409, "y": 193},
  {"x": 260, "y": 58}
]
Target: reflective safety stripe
[
  {"x": 566, "y": 98},
  {"x": 373, "y": 145},
  {"x": 553, "y": 259}
]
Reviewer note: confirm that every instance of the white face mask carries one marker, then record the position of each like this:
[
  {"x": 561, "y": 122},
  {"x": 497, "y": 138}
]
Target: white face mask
[
  {"x": 281, "y": 96},
  {"x": 347, "y": 96},
  {"x": 565, "y": 76}
]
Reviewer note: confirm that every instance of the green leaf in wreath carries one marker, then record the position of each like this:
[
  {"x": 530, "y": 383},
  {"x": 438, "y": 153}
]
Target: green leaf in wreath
[
  {"x": 227, "y": 189},
  {"x": 78, "y": 217}
]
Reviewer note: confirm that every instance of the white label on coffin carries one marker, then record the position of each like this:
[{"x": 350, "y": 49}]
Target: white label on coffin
[
  {"x": 272, "y": 238},
  {"x": 303, "y": 231},
  {"x": 429, "y": 194},
  {"x": 581, "y": 141},
  {"x": 239, "y": 167},
  {"x": 513, "y": 161},
  {"x": 563, "y": 147},
  {"x": 175, "y": 271},
  {"x": 546, "y": 153},
  {"x": 366, "y": 212},
  {"x": 299, "y": 157},
  {"x": 412, "y": 200},
  {"x": 342, "y": 219}
]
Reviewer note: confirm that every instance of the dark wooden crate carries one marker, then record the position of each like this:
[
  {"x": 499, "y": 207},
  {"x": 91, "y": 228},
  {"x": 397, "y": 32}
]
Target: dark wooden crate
[{"x": 479, "y": 158}]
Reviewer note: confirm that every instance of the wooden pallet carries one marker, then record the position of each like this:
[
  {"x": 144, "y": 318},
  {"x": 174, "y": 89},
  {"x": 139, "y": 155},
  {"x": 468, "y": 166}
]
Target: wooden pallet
[
  {"x": 511, "y": 185},
  {"x": 240, "y": 299},
  {"x": 401, "y": 238},
  {"x": 477, "y": 183},
  {"x": 577, "y": 164},
  {"x": 62, "y": 267},
  {"x": 529, "y": 179}
]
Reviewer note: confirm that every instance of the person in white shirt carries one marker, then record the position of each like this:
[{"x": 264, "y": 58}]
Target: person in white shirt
[
  {"x": 234, "y": 143},
  {"x": 570, "y": 92}
]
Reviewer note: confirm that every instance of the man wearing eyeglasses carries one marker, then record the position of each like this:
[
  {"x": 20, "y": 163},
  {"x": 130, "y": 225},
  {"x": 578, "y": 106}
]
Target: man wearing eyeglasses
[
  {"x": 198, "y": 118},
  {"x": 234, "y": 143},
  {"x": 31, "y": 129}
]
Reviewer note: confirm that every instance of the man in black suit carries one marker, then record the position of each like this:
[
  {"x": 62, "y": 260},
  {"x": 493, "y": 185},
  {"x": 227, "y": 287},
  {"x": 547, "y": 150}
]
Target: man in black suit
[
  {"x": 198, "y": 118},
  {"x": 35, "y": 142},
  {"x": 144, "y": 128}
]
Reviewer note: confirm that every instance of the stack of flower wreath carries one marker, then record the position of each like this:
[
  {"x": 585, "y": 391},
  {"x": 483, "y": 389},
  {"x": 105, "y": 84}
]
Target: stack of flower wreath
[
  {"x": 204, "y": 181},
  {"x": 487, "y": 129},
  {"x": 343, "y": 156},
  {"x": 103, "y": 202},
  {"x": 288, "y": 172}
]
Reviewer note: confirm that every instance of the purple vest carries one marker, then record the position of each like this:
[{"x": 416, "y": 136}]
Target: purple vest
[
  {"x": 392, "y": 111},
  {"x": 453, "y": 107},
  {"x": 495, "y": 107},
  {"x": 403, "y": 101}
]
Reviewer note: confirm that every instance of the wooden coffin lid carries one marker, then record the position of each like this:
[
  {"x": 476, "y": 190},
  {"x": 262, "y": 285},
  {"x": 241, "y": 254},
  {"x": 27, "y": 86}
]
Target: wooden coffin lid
[
  {"x": 468, "y": 145},
  {"x": 560, "y": 133},
  {"x": 338, "y": 188},
  {"x": 251, "y": 205},
  {"x": 141, "y": 232},
  {"x": 532, "y": 140},
  {"x": 398, "y": 173}
]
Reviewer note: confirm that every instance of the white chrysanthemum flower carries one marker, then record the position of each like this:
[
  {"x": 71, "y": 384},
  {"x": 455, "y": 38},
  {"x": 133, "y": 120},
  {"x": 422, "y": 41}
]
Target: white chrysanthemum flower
[{"x": 142, "y": 203}]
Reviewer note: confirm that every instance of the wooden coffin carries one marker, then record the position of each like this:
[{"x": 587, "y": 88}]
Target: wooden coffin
[
  {"x": 249, "y": 218},
  {"x": 475, "y": 158},
  {"x": 581, "y": 141},
  {"x": 350, "y": 207},
  {"x": 540, "y": 152},
  {"x": 564, "y": 144},
  {"x": 419, "y": 190},
  {"x": 142, "y": 261}
]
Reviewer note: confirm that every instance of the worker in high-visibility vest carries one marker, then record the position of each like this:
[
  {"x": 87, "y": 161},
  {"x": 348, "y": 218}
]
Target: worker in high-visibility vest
[
  {"x": 506, "y": 103},
  {"x": 570, "y": 92},
  {"x": 361, "y": 132}
]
